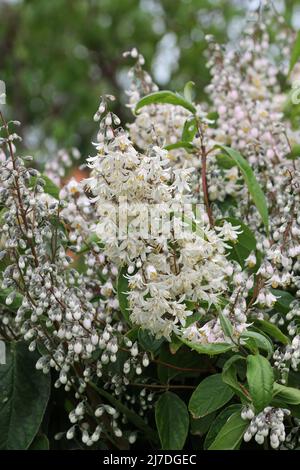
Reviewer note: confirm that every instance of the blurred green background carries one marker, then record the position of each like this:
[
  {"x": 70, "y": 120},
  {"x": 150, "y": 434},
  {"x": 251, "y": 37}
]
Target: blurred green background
[{"x": 58, "y": 56}]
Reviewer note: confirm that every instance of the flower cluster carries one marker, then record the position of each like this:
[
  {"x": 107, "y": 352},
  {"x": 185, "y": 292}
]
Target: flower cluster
[
  {"x": 267, "y": 423},
  {"x": 184, "y": 237}
]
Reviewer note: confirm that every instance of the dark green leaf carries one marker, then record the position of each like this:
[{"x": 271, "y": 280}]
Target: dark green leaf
[
  {"x": 231, "y": 434},
  {"x": 184, "y": 363},
  {"x": 40, "y": 443},
  {"x": 260, "y": 379},
  {"x": 272, "y": 330},
  {"x": 288, "y": 395},
  {"x": 229, "y": 376},
  {"x": 261, "y": 341},
  {"x": 172, "y": 421},
  {"x": 200, "y": 426},
  {"x": 24, "y": 394},
  {"x": 218, "y": 423},
  {"x": 210, "y": 395},
  {"x": 148, "y": 341}
]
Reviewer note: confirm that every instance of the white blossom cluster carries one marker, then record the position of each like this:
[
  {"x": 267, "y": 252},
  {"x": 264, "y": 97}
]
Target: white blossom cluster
[
  {"x": 268, "y": 422},
  {"x": 69, "y": 316},
  {"x": 63, "y": 258},
  {"x": 164, "y": 271}
]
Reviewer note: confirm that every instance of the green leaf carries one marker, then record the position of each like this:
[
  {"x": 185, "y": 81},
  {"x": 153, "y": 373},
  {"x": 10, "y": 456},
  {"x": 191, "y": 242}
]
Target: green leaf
[
  {"x": 229, "y": 376},
  {"x": 189, "y": 130},
  {"x": 209, "y": 396},
  {"x": 289, "y": 395},
  {"x": 226, "y": 325},
  {"x": 172, "y": 421},
  {"x": 40, "y": 442},
  {"x": 260, "y": 379},
  {"x": 272, "y": 330},
  {"x": 172, "y": 365},
  {"x": 165, "y": 97},
  {"x": 208, "y": 348},
  {"x": 253, "y": 186},
  {"x": 122, "y": 289},
  {"x": 149, "y": 342},
  {"x": 218, "y": 423},
  {"x": 245, "y": 243},
  {"x": 24, "y": 394},
  {"x": 261, "y": 341},
  {"x": 188, "y": 91},
  {"x": 224, "y": 161},
  {"x": 294, "y": 153},
  {"x": 180, "y": 144},
  {"x": 200, "y": 426},
  {"x": 295, "y": 53},
  {"x": 49, "y": 187},
  {"x": 283, "y": 301},
  {"x": 231, "y": 434}
]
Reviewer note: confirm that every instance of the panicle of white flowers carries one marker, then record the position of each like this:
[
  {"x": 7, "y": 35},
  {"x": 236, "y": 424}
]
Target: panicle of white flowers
[
  {"x": 71, "y": 317},
  {"x": 164, "y": 271},
  {"x": 269, "y": 422}
]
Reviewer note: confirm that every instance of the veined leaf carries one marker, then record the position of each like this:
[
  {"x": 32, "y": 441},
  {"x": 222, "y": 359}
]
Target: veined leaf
[
  {"x": 24, "y": 394},
  {"x": 261, "y": 341},
  {"x": 210, "y": 349},
  {"x": 218, "y": 423},
  {"x": 229, "y": 376},
  {"x": 172, "y": 421},
  {"x": 231, "y": 434},
  {"x": 165, "y": 96},
  {"x": 272, "y": 330},
  {"x": 260, "y": 379},
  {"x": 289, "y": 395},
  {"x": 210, "y": 395}
]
